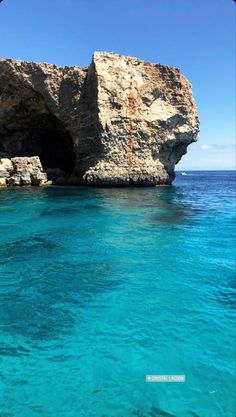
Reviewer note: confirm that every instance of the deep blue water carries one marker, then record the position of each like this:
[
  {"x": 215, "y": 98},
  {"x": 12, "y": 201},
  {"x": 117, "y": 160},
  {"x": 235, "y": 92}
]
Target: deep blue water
[{"x": 100, "y": 287}]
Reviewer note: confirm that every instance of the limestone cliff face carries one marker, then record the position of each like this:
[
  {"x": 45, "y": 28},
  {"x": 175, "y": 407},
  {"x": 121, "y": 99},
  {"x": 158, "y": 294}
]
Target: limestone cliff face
[{"x": 122, "y": 121}]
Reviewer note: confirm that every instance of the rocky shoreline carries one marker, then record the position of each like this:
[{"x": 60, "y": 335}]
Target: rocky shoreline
[
  {"x": 28, "y": 171},
  {"x": 119, "y": 122},
  {"x": 22, "y": 171}
]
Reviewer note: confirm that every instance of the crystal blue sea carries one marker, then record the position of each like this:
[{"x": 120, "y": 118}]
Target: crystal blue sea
[{"x": 100, "y": 287}]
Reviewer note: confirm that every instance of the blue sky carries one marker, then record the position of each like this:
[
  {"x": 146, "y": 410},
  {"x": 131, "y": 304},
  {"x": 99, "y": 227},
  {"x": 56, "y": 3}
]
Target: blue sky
[{"x": 195, "y": 35}]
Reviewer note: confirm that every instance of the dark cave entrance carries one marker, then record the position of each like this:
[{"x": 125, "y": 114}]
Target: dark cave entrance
[
  {"x": 29, "y": 128},
  {"x": 48, "y": 139}
]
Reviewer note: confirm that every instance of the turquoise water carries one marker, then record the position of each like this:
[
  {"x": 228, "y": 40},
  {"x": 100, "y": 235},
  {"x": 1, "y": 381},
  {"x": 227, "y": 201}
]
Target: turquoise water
[{"x": 100, "y": 287}]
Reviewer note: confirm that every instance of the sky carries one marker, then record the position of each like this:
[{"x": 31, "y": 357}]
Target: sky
[{"x": 197, "y": 36}]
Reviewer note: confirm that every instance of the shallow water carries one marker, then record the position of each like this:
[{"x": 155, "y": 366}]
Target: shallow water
[{"x": 100, "y": 287}]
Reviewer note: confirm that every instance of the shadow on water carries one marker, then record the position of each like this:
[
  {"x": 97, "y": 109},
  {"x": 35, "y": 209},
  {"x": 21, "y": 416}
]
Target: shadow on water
[
  {"x": 163, "y": 205},
  {"x": 170, "y": 206},
  {"x": 46, "y": 303},
  {"x": 226, "y": 296},
  {"x": 154, "y": 412},
  {"x": 159, "y": 412}
]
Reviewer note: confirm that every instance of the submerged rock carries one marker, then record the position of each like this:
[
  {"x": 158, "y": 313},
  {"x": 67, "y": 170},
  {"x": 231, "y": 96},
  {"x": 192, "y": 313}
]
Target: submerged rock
[{"x": 122, "y": 121}]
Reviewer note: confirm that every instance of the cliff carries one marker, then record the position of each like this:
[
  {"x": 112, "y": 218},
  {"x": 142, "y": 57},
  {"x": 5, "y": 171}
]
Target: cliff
[{"x": 122, "y": 121}]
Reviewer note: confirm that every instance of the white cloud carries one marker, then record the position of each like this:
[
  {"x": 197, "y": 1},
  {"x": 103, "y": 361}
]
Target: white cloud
[
  {"x": 205, "y": 147},
  {"x": 215, "y": 156}
]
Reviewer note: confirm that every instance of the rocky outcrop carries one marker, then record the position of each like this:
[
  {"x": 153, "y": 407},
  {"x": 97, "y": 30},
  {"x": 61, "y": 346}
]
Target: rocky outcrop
[
  {"x": 22, "y": 171},
  {"x": 122, "y": 121}
]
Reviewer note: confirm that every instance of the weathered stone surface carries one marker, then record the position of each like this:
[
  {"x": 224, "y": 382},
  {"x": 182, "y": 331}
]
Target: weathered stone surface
[
  {"x": 22, "y": 171},
  {"x": 3, "y": 182},
  {"x": 38, "y": 178},
  {"x": 26, "y": 164},
  {"x": 146, "y": 119},
  {"x": 29, "y": 170},
  {"x": 45, "y": 183},
  {"x": 122, "y": 121},
  {"x": 25, "y": 178},
  {"x": 14, "y": 180},
  {"x": 6, "y": 167}
]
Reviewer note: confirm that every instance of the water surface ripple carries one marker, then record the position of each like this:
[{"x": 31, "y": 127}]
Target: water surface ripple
[{"x": 100, "y": 287}]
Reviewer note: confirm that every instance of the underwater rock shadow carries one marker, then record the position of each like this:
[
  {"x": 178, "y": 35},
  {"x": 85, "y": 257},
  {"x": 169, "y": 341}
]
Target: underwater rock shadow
[
  {"x": 173, "y": 208},
  {"x": 159, "y": 412},
  {"x": 42, "y": 305}
]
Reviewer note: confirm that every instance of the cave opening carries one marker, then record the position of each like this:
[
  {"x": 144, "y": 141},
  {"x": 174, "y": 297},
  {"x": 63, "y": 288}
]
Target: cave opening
[
  {"x": 48, "y": 139},
  {"x": 28, "y": 128}
]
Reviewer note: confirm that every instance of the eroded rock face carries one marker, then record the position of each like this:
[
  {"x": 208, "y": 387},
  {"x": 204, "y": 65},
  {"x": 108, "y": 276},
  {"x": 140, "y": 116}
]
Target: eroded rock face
[
  {"x": 22, "y": 171},
  {"x": 122, "y": 121},
  {"x": 6, "y": 168}
]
